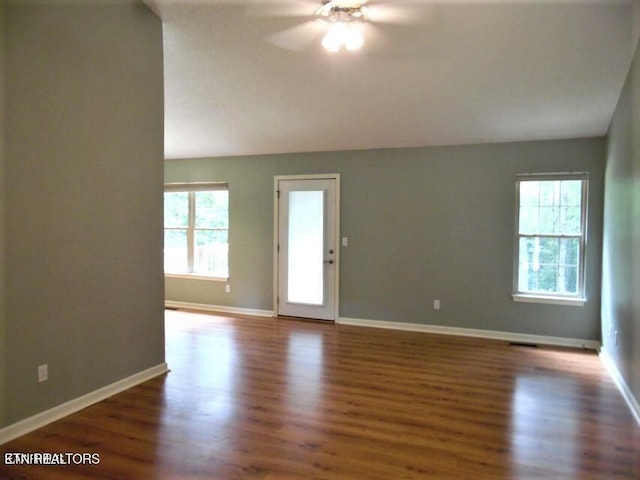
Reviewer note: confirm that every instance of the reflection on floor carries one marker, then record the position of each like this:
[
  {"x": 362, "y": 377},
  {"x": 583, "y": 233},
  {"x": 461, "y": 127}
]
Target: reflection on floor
[{"x": 263, "y": 398}]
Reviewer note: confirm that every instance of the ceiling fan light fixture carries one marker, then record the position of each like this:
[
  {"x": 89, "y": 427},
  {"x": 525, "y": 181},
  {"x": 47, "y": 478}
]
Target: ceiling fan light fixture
[{"x": 342, "y": 18}]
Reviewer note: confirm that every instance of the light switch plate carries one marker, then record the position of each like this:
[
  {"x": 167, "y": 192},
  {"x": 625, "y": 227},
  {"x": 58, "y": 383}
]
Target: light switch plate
[{"x": 43, "y": 373}]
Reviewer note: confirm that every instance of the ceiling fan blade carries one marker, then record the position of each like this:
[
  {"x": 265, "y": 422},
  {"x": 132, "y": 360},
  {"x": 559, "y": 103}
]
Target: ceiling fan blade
[
  {"x": 282, "y": 8},
  {"x": 400, "y": 14},
  {"x": 297, "y": 38}
]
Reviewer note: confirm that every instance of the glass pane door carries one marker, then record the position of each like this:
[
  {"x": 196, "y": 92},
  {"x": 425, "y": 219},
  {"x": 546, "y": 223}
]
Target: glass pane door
[
  {"x": 306, "y": 256},
  {"x": 306, "y": 247}
]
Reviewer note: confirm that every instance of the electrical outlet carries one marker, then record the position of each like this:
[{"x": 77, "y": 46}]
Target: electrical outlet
[
  {"x": 345, "y": 241},
  {"x": 43, "y": 373},
  {"x": 436, "y": 304},
  {"x": 227, "y": 288}
]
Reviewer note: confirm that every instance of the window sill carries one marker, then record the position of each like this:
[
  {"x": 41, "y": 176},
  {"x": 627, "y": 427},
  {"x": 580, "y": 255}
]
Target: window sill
[
  {"x": 529, "y": 298},
  {"x": 195, "y": 276}
]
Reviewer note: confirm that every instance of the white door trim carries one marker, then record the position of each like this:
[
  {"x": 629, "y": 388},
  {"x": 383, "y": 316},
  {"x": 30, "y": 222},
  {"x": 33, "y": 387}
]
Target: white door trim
[{"x": 322, "y": 176}]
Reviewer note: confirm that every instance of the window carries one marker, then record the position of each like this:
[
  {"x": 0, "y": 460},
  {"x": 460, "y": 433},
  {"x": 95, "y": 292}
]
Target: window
[
  {"x": 196, "y": 230},
  {"x": 551, "y": 238}
]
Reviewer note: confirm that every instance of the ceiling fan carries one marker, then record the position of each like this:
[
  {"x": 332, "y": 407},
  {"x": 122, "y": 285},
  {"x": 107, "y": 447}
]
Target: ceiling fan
[
  {"x": 342, "y": 24},
  {"x": 343, "y": 20}
]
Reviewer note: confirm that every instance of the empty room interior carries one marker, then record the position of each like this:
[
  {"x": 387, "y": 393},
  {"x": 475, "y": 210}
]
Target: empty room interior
[{"x": 288, "y": 239}]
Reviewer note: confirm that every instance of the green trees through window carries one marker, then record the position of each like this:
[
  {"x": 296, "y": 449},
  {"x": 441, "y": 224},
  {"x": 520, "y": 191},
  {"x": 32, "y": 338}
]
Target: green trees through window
[
  {"x": 196, "y": 239},
  {"x": 551, "y": 235}
]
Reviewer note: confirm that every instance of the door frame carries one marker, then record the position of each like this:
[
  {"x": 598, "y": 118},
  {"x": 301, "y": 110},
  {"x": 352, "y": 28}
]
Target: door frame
[{"x": 276, "y": 230}]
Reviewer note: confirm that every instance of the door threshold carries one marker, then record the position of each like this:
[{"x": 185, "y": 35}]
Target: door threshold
[{"x": 306, "y": 319}]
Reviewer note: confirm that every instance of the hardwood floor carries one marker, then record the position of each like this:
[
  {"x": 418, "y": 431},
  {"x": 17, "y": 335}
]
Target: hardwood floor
[{"x": 260, "y": 398}]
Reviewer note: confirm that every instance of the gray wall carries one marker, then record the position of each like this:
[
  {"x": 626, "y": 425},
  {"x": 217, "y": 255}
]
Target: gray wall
[
  {"x": 621, "y": 253},
  {"x": 422, "y": 224},
  {"x": 2, "y": 219},
  {"x": 84, "y": 149}
]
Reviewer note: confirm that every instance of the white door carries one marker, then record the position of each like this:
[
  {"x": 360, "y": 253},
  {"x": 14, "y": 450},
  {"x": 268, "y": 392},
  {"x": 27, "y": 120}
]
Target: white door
[{"x": 306, "y": 247}]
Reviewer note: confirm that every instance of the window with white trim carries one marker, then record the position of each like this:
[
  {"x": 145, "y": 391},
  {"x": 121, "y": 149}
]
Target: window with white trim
[
  {"x": 196, "y": 230},
  {"x": 551, "y": 237}
]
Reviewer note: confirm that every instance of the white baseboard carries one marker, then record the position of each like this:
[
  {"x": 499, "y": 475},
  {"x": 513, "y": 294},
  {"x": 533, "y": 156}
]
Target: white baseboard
[
  {"x": 56, "y": 413},
  {"x": 416, "y": 327},
  {"x": 618, "y": 379},
  {"x": 472, "y": 332},
  {"x": 218, "y": 308}
]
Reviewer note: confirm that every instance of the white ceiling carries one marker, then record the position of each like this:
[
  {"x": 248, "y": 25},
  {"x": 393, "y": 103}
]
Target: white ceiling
[{"x": 460, "y": 72}]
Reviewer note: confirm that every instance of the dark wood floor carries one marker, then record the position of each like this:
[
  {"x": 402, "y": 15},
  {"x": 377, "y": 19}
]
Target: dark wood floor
[{"x": 264, "y": 398}]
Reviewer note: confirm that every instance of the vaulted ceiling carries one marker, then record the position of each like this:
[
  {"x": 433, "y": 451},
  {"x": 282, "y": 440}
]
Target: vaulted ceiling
[{"x": 250, "y": 77}]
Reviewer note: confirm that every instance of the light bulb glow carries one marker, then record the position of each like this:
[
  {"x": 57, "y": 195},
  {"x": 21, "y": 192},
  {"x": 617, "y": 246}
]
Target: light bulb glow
[
  {"x": 353, "y": 39},
  {"x": 341, "y": 35},
  {"x": 333, "y": 40}
]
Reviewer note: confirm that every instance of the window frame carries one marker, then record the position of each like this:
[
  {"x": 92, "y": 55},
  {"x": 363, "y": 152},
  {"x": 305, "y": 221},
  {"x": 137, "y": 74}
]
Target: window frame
[
  {"x": 579, "y": 298},
  {"x": 191, "y": 189}
]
